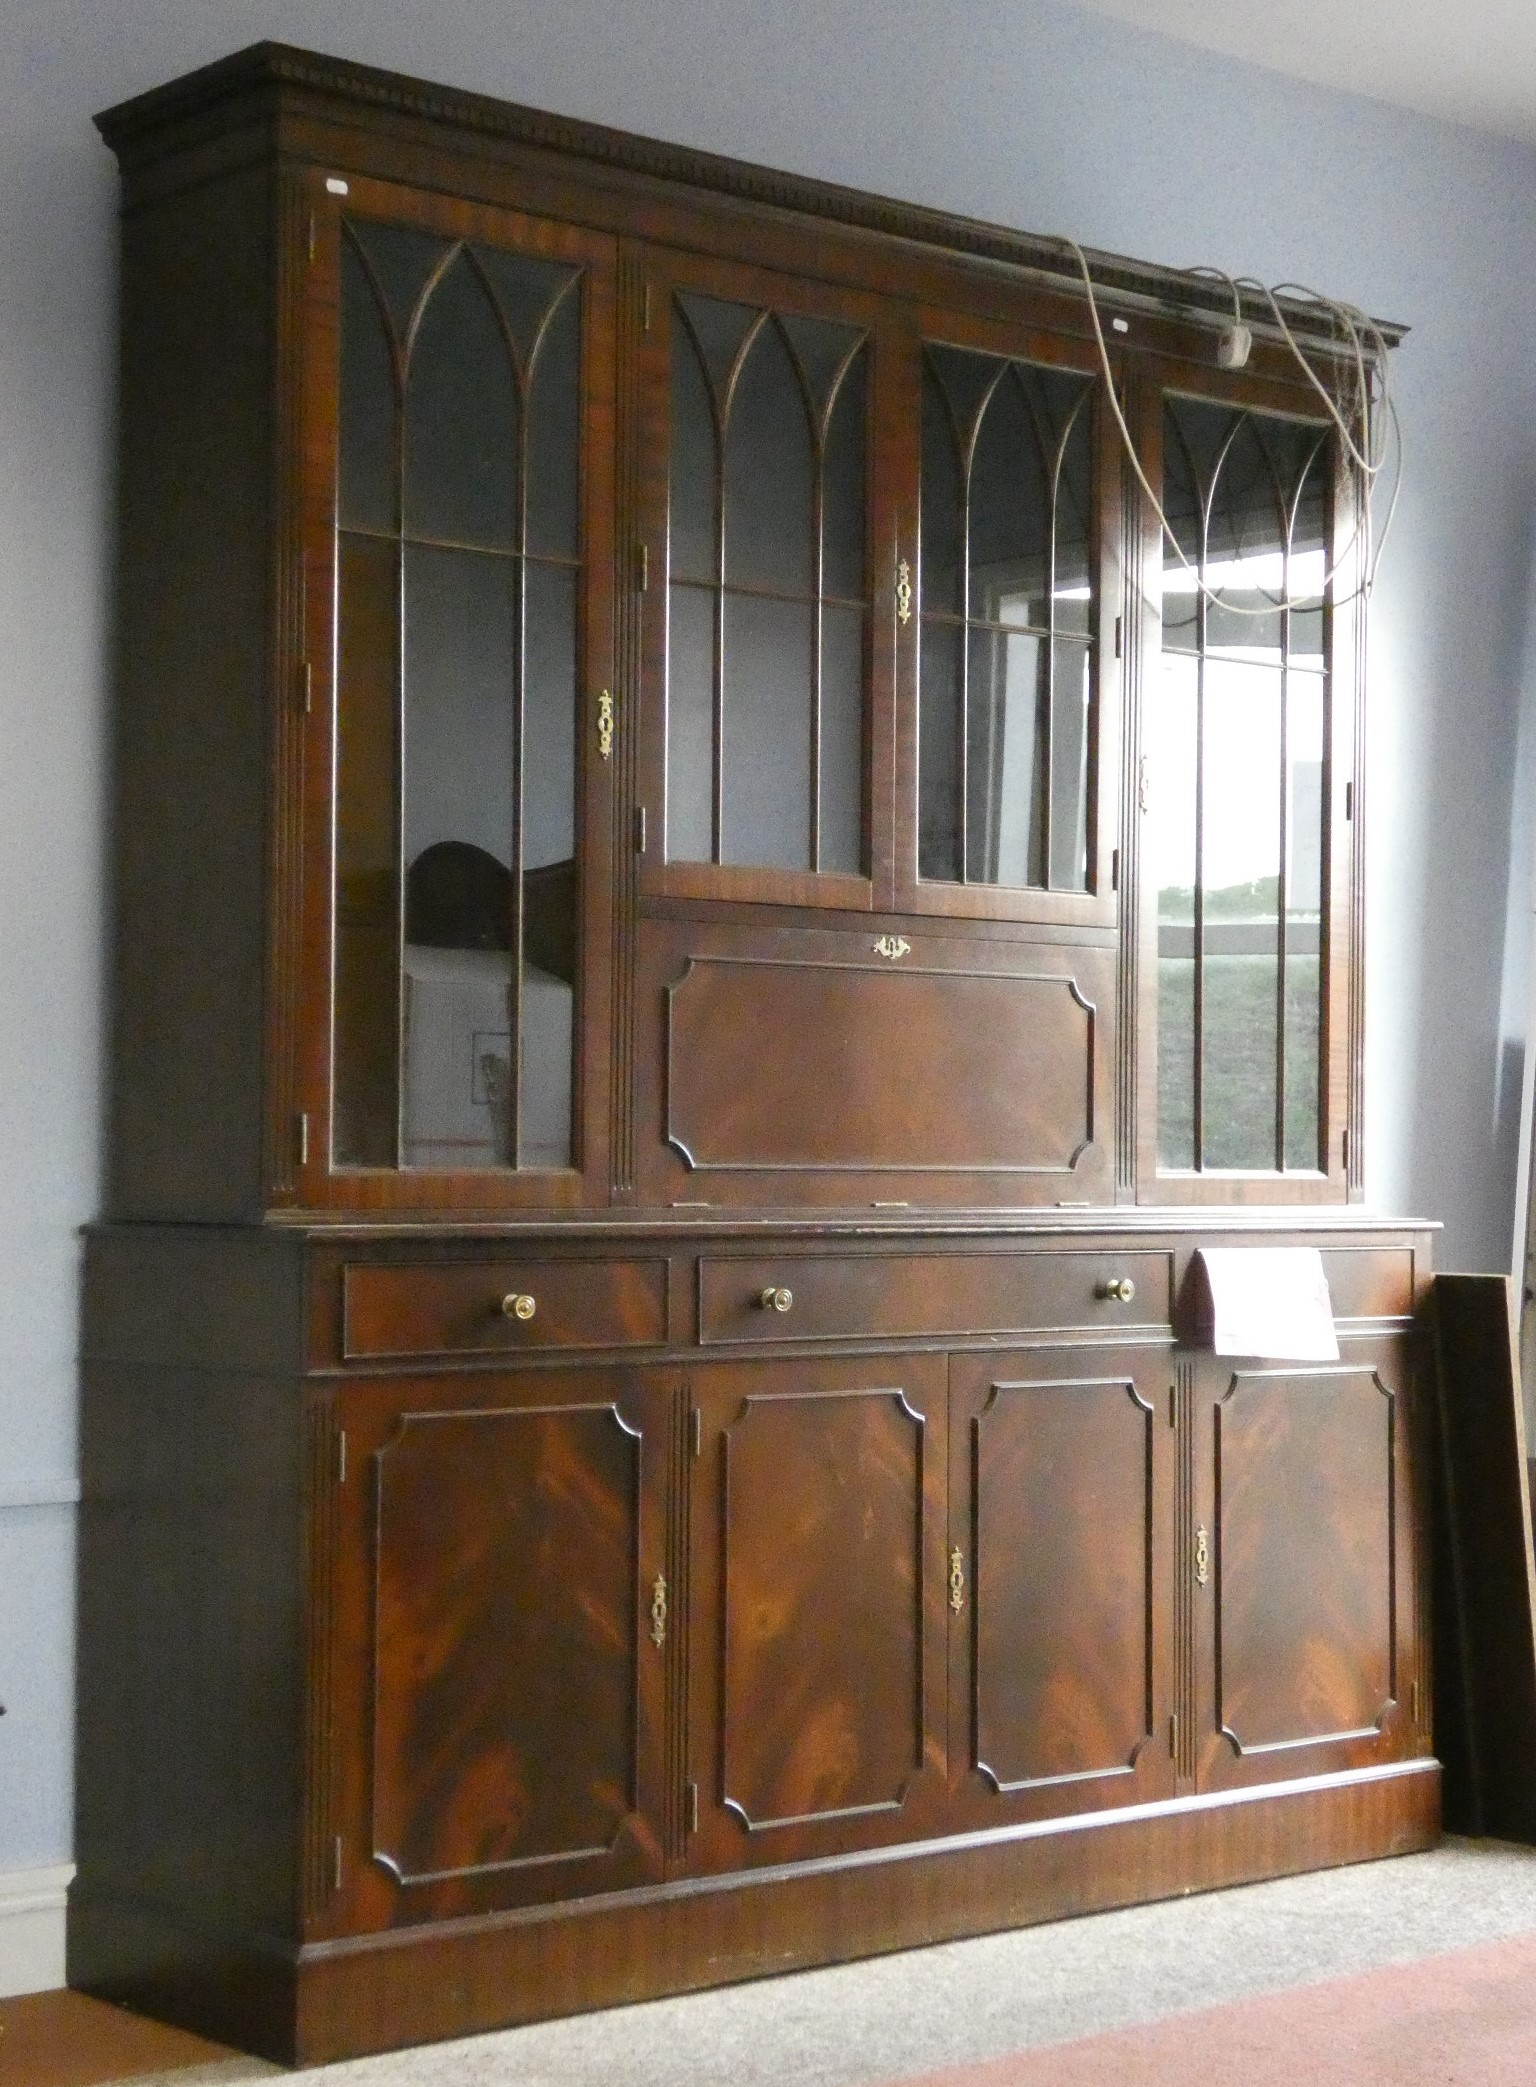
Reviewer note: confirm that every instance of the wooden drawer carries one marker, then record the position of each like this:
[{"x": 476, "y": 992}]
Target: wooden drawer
[
  {"x": 455, "y": 1308},
  {"x": 1370, "y": 1282},
  {"x": 912, "y": 1295}
]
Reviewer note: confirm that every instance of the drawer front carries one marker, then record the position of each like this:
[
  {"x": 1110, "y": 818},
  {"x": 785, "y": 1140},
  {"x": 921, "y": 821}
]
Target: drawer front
[
  {"x": 1370, "y": 1282},
  {"x": 906, "y": 1295},
  {"x": 471, "y": 1307}
]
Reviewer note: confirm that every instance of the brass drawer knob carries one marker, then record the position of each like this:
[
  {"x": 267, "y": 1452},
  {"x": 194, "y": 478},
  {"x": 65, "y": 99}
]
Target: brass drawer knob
[
  {"x": 517, "y": 1304},
  {"x": 775, "y": 1299},
  {"x": 1119, "y": 1289}
]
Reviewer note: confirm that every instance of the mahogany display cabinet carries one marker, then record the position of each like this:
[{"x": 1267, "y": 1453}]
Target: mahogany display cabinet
[{"x": 708, "y": 920}]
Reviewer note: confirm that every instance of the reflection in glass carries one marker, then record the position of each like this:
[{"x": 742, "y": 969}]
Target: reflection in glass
[
  {"x": 1004, "y": 732},
  {"x": 457, "y": 540},
  {"x": 768, "y": 590},
  {"x": 1240, "y": 741}
]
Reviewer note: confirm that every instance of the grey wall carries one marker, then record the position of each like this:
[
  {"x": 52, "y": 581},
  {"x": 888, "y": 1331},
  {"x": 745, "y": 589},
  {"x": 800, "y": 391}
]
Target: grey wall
[{"x": 1039, "y": 115}]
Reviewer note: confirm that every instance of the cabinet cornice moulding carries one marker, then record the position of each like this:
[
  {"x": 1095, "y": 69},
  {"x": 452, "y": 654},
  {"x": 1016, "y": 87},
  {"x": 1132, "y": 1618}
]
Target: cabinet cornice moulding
[{"x": 144, "y": 129}]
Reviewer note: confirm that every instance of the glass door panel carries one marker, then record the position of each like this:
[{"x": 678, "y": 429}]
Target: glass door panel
[
  {"x": 459, "y": 567},
  {"x": 767, "y": 666},
  {"x": 1238, "y": 734},
  {"x": 1007, "y": 607}
]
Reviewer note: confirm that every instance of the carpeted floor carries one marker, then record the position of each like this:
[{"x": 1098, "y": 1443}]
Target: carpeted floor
[{"x": 1422, "y": 1969}]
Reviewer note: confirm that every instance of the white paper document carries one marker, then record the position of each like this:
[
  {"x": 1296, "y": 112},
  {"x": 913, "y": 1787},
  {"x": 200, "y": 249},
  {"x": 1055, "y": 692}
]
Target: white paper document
[{"x": 1270, "y": 1301}]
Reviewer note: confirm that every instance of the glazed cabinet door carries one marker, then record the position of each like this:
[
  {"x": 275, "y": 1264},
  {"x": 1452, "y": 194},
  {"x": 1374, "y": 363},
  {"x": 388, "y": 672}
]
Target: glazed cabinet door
[
  {"x": 1304, "y": 1563},
  {"x": 1057, "y": 1582},
  {"x": 815, "y": 1704},
  {"x": 1008, "y": 672},
  {"x": 458, "y": 721},
  {"x": 496, "y": 1696},
  {"x": 769, "y": 573}
]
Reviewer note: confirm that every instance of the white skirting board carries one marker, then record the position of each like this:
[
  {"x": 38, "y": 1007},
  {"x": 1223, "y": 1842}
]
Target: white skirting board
[{"x": 32, "y": 1929}]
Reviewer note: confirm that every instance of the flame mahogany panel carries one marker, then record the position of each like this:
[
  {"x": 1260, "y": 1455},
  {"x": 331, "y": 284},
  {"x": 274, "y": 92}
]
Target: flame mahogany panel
[
  {"x": 810, "y": 1069},
  {"x": 1059, "y": 1477},
  {"x": 495, "y": 1617},
  {"x": 819, "y": 1554},
  {"x": 1304, "y": 1609}
]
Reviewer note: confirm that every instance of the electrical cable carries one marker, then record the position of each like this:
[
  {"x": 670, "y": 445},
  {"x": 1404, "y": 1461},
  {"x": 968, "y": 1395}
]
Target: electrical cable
[{"x": 1357, "y": 329}]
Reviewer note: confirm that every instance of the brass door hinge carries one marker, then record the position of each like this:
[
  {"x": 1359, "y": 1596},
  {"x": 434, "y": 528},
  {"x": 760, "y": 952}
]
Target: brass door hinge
[
  {"x": 693, "y": 1807},
  {"x": 301, "y": 1137},
  {"x": 1173, "y": 1735},
  {"x": 336, "y": 1864},
  {"x": 341, "y": 1456},
  {"x": 644, "y": 579},
  {"x": 639, "y": 829},
  {"x": 698, "y": 1431}
]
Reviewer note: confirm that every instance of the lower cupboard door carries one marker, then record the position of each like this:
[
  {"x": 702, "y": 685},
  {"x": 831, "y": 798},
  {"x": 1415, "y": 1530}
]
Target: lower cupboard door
[
  {"x": 497, "y": 1698},
  {"x": 816, "y": 1651},
  {"x": 1304, "y": 1565},
  {"x": 1057, "y": 1583}
]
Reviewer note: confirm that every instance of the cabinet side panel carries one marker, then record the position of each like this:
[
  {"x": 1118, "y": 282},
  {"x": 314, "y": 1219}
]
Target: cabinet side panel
[
  {"x": 190, "y": 1666},
  {"x": 196, "y": 406}
]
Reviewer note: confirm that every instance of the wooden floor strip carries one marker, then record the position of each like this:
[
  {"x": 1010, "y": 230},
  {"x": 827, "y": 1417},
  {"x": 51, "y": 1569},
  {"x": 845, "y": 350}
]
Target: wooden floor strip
[{"x": 65, "y": 2039}]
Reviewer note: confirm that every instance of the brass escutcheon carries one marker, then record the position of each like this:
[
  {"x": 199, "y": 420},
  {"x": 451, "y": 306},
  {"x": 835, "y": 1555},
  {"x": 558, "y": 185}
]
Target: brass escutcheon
[
  {"x": 892, "y": 946},
  {"x": 1202, "y": 1557},
  {"x": 903, "y": 592},
  {"x": 659, "y": 1612},
  {"x": 605, "y": 724},
  {"x": 956, "y": 1581}
]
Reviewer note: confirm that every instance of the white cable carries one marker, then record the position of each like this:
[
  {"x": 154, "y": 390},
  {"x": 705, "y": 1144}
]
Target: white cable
[{"x": 1354, "y": 324}]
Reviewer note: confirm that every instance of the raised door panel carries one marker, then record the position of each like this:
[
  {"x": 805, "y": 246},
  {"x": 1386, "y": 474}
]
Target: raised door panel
[
  {"x": 817, "y": 1608},
  {"x": 832, "y": 1067},
  {"x": 1060, "y": 1651},
  {"x": 498, "y": 1697},
  {"x": 1305, "y": 1566}
]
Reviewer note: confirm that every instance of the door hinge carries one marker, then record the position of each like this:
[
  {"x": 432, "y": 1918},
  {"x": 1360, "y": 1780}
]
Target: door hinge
[
  {"x": 646, "y": 310},
  {"x": 698, "y": 1431},
  {"x": 1173, "y": 1735},
  {"x": 639, "y": 829},
  {"x": 693, "y": 1807},
  {"x": 1119, "y": 636},
  {"x": 301, "y": 1137},
  {"x": 309, "y": 688},
  {"x": 311, "y": 235},
  {"x": 1173, "y": 1406},
  {"x": 336, "y": 1864},
  {"x": 341, "y": 1456},
  {"x": 644, "y": 580},
  {"x": 1413, "y": 1701},
  {"x": 1349, "y": 800},
  {"x": 1344, "y": 1146},
  {"x": 1114, "y": 869}
]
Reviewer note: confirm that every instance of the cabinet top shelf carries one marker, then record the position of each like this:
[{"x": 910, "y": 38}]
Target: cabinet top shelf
[{"x": 144, "y": 130}]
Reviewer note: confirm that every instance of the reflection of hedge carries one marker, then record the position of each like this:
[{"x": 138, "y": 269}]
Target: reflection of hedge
[
  {"x": 1257, "y": 900},
  {"x": 1239, "y": 1061}
]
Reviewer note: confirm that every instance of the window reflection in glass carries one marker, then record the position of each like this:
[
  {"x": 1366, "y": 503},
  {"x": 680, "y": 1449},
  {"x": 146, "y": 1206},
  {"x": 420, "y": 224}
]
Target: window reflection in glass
[
  {"x": 1007, "y": 601},
  {"x": 1238, "y": 739},
  {"x": 768, "y": 590},
  {"x": 457, "y": 548}
]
